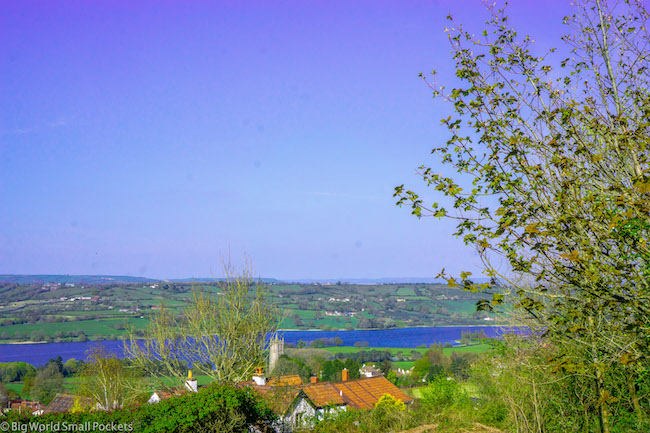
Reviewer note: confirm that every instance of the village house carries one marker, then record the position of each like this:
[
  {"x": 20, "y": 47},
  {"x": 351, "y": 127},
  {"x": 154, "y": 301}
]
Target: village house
[
  {"x": 65, "y": 403},
  {"x": 24, "y": 406},
  {"x": 369, "y": 371},
  {"x": 300, "y": 405}
]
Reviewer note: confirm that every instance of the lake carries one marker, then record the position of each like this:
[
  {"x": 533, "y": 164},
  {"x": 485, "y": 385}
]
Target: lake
[{"x": 39, "y": 353}]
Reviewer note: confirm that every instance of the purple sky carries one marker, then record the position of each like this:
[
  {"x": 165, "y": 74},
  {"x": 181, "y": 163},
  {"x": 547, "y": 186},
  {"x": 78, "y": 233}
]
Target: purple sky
[{"x": 152, "y": 138}]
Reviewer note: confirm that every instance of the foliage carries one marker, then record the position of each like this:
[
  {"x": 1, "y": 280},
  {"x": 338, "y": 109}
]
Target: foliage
[
  {"x": 224, "y": 338},
  {"x": 388, "y": 417},
  {"x": 15, "y": 371},
  {"x": 441, "y": 393},
  {"x": 217, "y": 408},
  {"x": 520, "y": 384},
  {"x": 436, "y": 363},
  {"x": 47, "y": 383},
  {"x": 108, "y": 382},
  {"x": 313, "y": 358},
  {"x": 366, "y": 356},
  {"x": 72, "y": 367},
  {"x": 331, "y": 370},
  {"x": 389, "y": 411},
  {"x": 286, "y": 366},
  {"x": 553, "y": 188},
  {"x": 6, "y": 395},
  {"x": 389, "y": 403}
]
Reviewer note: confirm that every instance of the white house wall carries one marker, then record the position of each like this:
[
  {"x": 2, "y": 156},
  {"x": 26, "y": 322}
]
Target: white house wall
[{"x": 302, "y": 412}]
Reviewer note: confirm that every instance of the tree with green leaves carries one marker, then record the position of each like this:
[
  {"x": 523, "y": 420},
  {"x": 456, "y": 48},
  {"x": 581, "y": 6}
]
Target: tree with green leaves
[
  {"x": 46, "y": 385},
  {"x": 287, "y": 366},
  {"x": 552, "y": 184}
]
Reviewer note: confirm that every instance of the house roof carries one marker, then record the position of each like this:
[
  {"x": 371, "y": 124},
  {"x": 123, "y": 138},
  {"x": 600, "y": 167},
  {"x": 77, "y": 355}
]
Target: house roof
[
  {"x": 369, "y": 368},
  {"x": 323, "y": 394},
  {"x": 361, "y": 393},
  {"x": 20, "y": 404},
  {"x": 289, "y": 379},
  {"x": 64, "y": 402},
  {"x": 163, "y": 395},
  {"x": 365, "y": 393}
]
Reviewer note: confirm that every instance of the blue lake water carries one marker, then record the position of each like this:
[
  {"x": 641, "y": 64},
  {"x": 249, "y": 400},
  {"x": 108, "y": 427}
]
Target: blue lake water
[{"x": 39, "y": 354}]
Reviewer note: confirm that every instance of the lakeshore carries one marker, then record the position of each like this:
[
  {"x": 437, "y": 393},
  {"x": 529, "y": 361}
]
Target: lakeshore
[{"x": 39, "y": 353}]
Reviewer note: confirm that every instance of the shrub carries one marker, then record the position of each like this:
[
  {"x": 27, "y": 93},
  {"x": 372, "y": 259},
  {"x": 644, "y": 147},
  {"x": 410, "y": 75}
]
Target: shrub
[{"x": 442, "y": 393}]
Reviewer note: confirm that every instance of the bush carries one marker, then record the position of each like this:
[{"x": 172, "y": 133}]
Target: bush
[
  {"x": 389, "y": 413},
  {"x": 442, "y": 393}
]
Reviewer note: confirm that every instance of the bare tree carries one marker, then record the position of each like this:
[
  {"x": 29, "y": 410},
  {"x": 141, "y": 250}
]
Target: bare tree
[
  {"x": 222, "y": 335},
  {"x": 107, "y": 382}
]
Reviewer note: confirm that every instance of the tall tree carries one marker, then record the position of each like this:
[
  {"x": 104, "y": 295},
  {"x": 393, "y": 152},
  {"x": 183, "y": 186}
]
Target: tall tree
[{"x": 553, "y": 181}]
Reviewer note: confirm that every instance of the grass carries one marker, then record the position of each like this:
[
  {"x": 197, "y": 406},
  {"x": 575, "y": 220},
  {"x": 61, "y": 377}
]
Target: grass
[
  {"x": 176, "y": 296},
  {"x": 405, "y": 292},
  {"x": 103, "y": 327},
  {"x": 459, "y": 306},
  {"x": 402, "y": 364},
  {"x": 413, "y": 392},
  {"x": 475, "y": 348},
  {"x": 16, "y": 386}
]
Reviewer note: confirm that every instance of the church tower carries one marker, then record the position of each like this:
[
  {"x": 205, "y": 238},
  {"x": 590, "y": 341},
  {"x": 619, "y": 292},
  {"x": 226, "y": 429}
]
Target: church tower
[{"x": 276, "y": 347}]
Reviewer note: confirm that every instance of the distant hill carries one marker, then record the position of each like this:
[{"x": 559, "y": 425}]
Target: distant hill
[
  {"x": 107, "y": 279},
  {"x": 77, "y": 279},
  {"x": 211, "y": 280},
  {"x": 396, "y": 280}
]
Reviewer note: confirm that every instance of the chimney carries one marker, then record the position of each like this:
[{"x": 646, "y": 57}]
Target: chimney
[
  {"x": 191, "y": 383},
  {"x": 258, "y": 376},
  {"x": 313, "y": 379},
  {"x": 345, "y": 375}
]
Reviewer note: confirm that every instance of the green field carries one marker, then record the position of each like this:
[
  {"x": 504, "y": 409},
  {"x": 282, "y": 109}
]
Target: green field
[
  {"x": 106, "y": 327},
  {"x": 47, "y": 309},
  {"x": 473, "y": 348}
]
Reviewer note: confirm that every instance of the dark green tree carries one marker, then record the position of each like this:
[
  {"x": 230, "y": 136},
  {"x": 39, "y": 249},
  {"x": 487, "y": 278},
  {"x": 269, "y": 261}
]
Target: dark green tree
[
  {"x": 286, "y": 366},
  {"x": 47, "y": 383}
]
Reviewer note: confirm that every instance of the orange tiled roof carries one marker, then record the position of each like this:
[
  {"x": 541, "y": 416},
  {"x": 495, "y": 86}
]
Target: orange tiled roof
[
  {"x": 365, "y": 393},
  {"x": 288, "y": 380},
  {"x": 361, "y": 393},
  {"x": 323, "y": 394}
]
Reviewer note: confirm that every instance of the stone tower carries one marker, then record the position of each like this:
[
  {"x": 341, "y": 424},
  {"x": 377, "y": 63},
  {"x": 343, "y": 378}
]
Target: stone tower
[{"x": 276, "y": 347}]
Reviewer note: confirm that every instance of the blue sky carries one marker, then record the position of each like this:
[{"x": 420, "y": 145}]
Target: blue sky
[{"x": 153, "y": 138}]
